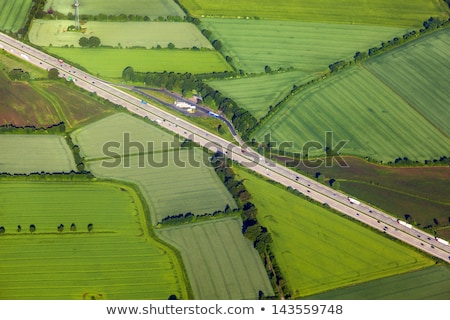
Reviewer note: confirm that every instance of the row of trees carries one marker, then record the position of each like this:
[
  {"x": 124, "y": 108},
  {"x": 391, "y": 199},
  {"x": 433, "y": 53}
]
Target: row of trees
[
  {"x": 52, "y": 14},
  {"x": 48, "y": 176},
  {"x": 251, "y": 228},
  {"x": 57, "y": 128},
  {"x": 79, "y": 160},
  {"x": 91, "y": 42},
  {"x": 60, "y": 228}
]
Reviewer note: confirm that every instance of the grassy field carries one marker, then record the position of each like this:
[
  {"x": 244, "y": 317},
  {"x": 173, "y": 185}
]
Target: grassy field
[
  {"x": 319, "y": 251},
  {"x": 257, "y": 94},
  {"x": 421, "y": 192},
  {"x": 9, "y": 62},
  {"x": 402, "y": 13},
  {"x": 118, "y": 260},
  {"x": 306, "y": 46},
  {"x": 423, "y": 85},
  {"x": 173, "y": 180},
  {"x": 355, "y": 106},
  {"x": 13, "y": 14},
  {"x": 111, "y": 62},
  {"x": 150, "y": 35},
  {"x": 220, "y": 262},
  {"x": 150, "y": 8},
  {"x": 428, "y": 284},
  {"x": 50, "y": 153}
]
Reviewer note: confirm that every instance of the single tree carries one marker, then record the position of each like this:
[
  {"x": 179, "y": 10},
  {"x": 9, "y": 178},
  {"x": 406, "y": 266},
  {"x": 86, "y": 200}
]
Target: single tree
[
  {"x": 73, "y": 227},
  {"x": 84, "y": 42},
  {"x": 90, "y": 226},
  {"x": 94, "y": 42},
  {"x": 2, "y": 230},
  {"x": 32, "y": 228},
  {"x": 53, "y": 74},
  {"x": 61, "y": 228},
  {"x": 19, "y": 228}
]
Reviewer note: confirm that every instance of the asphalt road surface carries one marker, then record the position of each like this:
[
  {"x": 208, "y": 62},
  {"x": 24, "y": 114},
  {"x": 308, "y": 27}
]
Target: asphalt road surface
[{"x": 245, "y": 156}]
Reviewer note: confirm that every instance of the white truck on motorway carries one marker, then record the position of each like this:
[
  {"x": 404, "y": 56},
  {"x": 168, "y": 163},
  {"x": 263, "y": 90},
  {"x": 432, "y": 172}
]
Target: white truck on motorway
[
  {"x": 441, "y": 241},
  {"x": 403, "y": 223},
  {"x": 353, "y": 201}
]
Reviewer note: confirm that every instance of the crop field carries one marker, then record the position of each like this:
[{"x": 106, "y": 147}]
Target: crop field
[
  {"x": 399, "y": 70},
  {"x": 430, "y": 183},
  {"x": 173, "y": 180},
  {"x": 50, "y": 154},
  {"x": 111, "y": 62},
  {"x": 115, "y": 129},
  {"x": 21, "y": 105},
  {"x": 13, "y": 14},
  {"x": 402, "y": 13},
  {"x": 44, "y": 103},
  {"x": 420, "y": 192},
  {"x": 397, "y": 203},
  {"x": 356, "y": 107},
  {"x": 75, "y": 108},
  {"x": 123, "y": 34},
  {"x": 220, "y": 262},
  {"x": 317, "y": 250},
  {"x": 309, "y": 47},
  {"x": 257, "y": 94},
  {"x": 117, "y": 260},
  {"x": 170, "y": 188},
  {"x": 432, "y": 283},
  {"x": 149, "y": 8}
]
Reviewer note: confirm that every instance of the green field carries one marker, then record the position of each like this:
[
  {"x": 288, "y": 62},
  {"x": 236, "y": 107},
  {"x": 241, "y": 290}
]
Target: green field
[
  {"x": 423, "y": 85},
  {"x": 402, "y": 13},
  {"x": 150, "y": 8},
  {"x": 355, "y": 106},
  {"x": 429, "y": 284},
  {"x": 151, "y": 34},
  {"x": 172, "y": 180},
  {"x": 114, "y": 129},
  {"x": 319, "y": 251},
  {"x": 118, "y": 260},
  {"x": 257, "y": 94},
  {"x": 306, "y": 46},
  {"x": 13, "y": 14},
  {"x": 220, "y": 262},
  {"x": 111, "y": 62},
  {"x": 50, "y": 153}
]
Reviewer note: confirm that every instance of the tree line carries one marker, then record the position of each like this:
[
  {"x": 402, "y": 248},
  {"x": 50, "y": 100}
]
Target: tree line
[
  {"x": 57, "y": 128},
  {"x": 60, "y": 228}
]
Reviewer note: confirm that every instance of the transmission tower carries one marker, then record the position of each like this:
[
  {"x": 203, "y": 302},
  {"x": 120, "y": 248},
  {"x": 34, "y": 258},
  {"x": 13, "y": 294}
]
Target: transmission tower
[{"x": 77, "y": 16}]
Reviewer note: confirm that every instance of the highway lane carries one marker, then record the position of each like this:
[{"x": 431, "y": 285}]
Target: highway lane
[{"x": 245, "y": 156}]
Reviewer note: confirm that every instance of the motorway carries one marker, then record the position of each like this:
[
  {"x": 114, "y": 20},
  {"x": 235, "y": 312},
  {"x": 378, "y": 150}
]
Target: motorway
[{"x": 245, "y": 156}]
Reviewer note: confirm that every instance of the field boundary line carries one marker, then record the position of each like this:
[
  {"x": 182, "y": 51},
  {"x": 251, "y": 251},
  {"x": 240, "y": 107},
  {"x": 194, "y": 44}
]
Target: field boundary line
[
  {"x": 385, "y": 84},
  {"x": 55, "y": 104}
]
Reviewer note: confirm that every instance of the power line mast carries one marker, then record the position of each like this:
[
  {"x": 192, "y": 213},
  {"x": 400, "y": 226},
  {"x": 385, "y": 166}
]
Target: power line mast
[{"x": 77, "y": 16}]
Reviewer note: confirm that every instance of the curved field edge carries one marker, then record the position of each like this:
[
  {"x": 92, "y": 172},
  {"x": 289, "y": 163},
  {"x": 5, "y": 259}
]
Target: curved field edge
[
  {"x": 221, "y": 263},
  {"x": 114, "y": 238},
  {"x": 318, "y": 250},
  {"x": 431, "y": 283},
  {"x": 360, "y": 110},
  {"x": 378, "y": 12}
]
